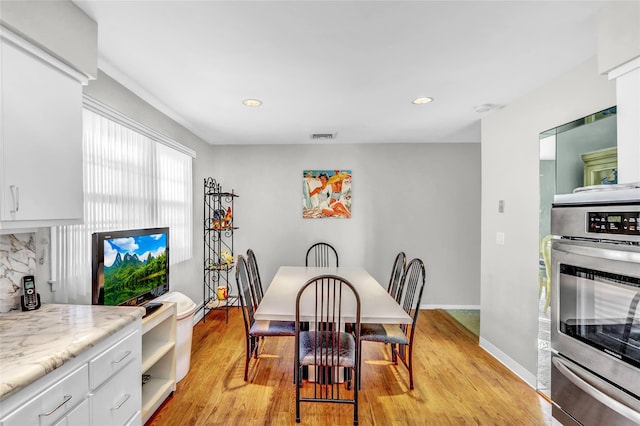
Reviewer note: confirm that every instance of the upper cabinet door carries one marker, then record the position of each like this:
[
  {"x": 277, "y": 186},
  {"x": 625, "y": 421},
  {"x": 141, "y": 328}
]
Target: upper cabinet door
[{"x": 40, "y": 141}]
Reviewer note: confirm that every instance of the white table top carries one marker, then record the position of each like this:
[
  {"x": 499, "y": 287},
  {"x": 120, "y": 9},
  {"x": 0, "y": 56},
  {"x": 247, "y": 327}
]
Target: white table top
[{"x": 376, "y": 306}]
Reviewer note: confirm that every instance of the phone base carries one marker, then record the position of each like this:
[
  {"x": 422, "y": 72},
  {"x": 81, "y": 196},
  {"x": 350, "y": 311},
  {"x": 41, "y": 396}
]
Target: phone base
[{"x": 31, "y": 306}]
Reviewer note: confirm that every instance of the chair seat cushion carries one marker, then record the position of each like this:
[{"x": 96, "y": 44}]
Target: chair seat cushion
[
  {"x": 384, "y": 333},
  {"x": 273, "y": 328},
  {"x": 316, "y": 350}
]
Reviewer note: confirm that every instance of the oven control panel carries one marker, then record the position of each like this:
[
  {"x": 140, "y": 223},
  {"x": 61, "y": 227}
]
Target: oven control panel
[{"x": 625, "y": 223}]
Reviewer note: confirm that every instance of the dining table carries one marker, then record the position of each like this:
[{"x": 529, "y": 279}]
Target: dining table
[{"x": 376, "y": 305}]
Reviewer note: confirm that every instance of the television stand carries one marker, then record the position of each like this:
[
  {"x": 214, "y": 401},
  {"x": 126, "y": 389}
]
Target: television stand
[{"x": 158, "y": 357}]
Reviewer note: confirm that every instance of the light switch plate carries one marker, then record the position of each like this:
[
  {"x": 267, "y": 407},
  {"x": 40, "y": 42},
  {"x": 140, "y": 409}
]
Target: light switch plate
[{"x": 500, "y": 238}]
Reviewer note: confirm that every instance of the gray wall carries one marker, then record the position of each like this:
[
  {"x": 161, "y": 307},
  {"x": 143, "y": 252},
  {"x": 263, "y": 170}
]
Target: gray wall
[
  {"x": 420, "y": 198},
  {"x": 510, "y": 172}
]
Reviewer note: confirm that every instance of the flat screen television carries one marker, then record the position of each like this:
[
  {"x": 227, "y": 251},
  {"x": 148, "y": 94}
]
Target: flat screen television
[{"x": 129, "y": 267}]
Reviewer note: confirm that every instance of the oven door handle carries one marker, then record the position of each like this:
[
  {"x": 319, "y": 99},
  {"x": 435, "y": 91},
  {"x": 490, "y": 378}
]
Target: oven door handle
[
  {"x": 600, "y": 252},
  {"x": 581, "y": 382}
]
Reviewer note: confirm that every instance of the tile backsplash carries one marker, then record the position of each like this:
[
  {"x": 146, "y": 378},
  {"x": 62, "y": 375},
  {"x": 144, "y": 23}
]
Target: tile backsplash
[{"x": 17, "y": 259}]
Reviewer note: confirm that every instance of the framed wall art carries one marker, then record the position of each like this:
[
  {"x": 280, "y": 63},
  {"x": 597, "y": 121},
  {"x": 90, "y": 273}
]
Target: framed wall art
[{"x": 326, "y": 194}]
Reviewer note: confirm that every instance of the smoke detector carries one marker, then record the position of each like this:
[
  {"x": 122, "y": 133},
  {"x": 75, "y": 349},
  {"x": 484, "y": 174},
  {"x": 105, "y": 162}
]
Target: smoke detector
[{"x": 487, "y": 107}]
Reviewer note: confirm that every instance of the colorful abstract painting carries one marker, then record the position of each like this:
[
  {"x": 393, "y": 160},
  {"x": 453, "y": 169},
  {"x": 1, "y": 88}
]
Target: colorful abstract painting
[{"x": 326, "y": 194}]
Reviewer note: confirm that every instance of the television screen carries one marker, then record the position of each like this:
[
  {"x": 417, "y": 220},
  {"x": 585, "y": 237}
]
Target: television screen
[{"x": 130, "y": 267}]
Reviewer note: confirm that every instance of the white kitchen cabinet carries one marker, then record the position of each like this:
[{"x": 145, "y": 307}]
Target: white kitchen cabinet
[
  {"x": 54, "y": 402},
  {"x": 101, "y": 386},
  {"x": 41, "y": 173},
  {"x": 158, "y": 357},
  {"x": 114, "y": 379}
]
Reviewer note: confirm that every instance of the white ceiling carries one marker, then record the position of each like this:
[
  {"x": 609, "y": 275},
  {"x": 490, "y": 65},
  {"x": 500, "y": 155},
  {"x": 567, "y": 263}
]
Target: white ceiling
[{"x": 345, "y": 67}]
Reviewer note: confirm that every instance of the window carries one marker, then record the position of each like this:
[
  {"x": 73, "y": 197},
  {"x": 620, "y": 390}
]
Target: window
[{"x": 133, "y": 178}]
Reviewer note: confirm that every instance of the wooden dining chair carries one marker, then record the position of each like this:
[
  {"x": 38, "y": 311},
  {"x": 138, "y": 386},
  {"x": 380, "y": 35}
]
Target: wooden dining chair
[
  {"x": 325, "y": 345},
  {"x": 255, "y": 329},
  {"x": 397, "y": 270},
  {"x": 321, "y": 254},
  {"x": 401, "y": 337}
]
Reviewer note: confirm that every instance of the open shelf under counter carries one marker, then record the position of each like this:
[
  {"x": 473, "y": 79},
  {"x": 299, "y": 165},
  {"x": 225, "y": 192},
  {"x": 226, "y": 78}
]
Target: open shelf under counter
[{"x": 158, "y": 357}]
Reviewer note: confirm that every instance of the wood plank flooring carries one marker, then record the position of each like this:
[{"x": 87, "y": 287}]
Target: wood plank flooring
[{"x": 457, "y": 383}]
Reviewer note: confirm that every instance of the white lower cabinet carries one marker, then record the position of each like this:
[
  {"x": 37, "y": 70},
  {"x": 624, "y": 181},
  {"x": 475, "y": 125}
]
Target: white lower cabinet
[
  {"x": 53, "y": 402},
  {"x": 101, "y": 386}
]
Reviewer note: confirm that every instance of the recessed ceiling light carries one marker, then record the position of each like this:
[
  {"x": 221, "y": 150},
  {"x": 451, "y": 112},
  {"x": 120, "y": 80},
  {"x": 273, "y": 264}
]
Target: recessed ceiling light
[
  {"x": 252, "y": 102},
  {"x": 421, "y": 101}
]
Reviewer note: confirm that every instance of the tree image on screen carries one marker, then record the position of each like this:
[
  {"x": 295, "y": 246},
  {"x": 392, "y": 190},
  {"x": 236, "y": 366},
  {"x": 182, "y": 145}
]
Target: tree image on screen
[{"x": 133, "y": 266}]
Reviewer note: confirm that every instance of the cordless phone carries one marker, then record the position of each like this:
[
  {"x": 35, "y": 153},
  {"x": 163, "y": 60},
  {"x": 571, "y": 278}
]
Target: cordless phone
[{"x": 30, "y": 298}]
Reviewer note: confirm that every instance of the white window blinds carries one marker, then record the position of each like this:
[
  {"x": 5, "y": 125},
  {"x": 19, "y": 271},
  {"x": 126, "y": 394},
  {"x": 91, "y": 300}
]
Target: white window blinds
[{"x": 130, "y": 181}]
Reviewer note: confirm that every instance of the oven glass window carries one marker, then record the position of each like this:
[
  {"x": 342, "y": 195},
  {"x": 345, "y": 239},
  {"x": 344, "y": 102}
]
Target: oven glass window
[{"x": 601, "y": 310}]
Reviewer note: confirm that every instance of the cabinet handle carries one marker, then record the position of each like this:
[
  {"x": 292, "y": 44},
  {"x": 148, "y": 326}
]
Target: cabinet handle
[
  {"x": 67, "y": 398},
  {"x": 121, "y": 359},
  {"x": 125, "y": 399},
  {"x": 15, "y": 193}
]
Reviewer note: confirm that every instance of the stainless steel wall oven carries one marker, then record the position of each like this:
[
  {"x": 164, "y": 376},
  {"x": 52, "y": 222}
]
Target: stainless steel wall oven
[{"x": 595, "y": 316}]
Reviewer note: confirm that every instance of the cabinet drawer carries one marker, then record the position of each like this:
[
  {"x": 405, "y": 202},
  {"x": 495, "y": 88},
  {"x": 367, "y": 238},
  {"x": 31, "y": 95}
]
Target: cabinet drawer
[
  {"x": 136, "y": 420},
  {"x": 54, "y": 402},
  {"x": 79, "y": 416},
  {"x": 114, "y": 359},
  {"x": 118, "y": 400}
]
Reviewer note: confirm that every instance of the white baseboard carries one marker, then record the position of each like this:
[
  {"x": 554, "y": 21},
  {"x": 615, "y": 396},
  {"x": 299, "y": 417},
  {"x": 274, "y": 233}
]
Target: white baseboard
[
  {"x": 200, "y": 311},
  {"x": 199, "y": 314},
  {"x": 516, "y": 368},
  {"x": 465, "y": 307}
]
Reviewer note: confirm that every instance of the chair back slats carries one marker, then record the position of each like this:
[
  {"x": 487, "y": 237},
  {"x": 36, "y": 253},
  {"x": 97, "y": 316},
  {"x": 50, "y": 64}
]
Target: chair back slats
[
  {"x": 329, "y": 300},
  {"x": 414, "y": 280},
  {"x": 244, "y": 292},
  {"x": 321, "y": 254},
  {"x": 254, "y": 278},
  {"x": 397, "y": 271}
]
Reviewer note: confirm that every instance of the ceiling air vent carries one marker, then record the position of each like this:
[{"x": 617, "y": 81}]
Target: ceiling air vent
[{"x": 323, "y": 136}]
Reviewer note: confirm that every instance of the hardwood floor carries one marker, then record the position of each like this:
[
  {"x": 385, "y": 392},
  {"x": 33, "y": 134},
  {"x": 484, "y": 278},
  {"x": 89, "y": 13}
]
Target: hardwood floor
[{"x": 457, "y": 383}]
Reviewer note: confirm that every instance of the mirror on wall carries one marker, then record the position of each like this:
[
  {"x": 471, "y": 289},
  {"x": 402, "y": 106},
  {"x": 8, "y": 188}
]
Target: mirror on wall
[
  {"x": 580, "y": 153},
  {"x": 575, "y": 144}
]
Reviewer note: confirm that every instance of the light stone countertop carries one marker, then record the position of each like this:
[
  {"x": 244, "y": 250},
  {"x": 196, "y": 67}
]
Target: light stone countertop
[{"x": 34, "y": 343}]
